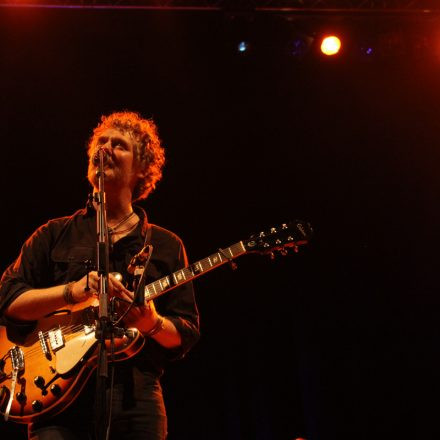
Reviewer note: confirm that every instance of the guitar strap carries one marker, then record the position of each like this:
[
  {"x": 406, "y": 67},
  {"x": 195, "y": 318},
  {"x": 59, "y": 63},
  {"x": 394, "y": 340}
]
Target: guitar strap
[
  {"x": 142, "y": 258},
  {"x": 148, "y": 233}
]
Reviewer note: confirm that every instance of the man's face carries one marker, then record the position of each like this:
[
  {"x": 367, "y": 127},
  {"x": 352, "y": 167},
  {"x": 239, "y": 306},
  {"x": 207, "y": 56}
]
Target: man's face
[{"x": 120, "y": 167}]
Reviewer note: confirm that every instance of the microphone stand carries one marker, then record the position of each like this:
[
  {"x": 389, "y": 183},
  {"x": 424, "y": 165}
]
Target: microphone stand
[{"x": 104, "y": 328}]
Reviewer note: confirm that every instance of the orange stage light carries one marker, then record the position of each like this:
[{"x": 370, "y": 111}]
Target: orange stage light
[{"x": 330, "y": 45}]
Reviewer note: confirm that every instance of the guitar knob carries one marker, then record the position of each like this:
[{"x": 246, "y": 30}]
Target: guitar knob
[
  {"x": 37, "y": 406},
  {"x": 39, "y": 381},
  {"x": 21, "y": 397},
  {"x": 55, "y": 389}
]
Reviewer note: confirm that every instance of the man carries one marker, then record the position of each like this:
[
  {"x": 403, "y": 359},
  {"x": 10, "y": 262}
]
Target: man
[{"x": 50, "y": 273}]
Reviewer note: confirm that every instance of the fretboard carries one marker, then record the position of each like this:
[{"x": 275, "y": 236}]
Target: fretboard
[{"x": 182, "y": 276}]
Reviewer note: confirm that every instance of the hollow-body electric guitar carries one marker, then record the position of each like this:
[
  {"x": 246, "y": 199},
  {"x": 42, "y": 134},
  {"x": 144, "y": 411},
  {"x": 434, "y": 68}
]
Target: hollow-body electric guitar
[{"x": 43, "y": 371}]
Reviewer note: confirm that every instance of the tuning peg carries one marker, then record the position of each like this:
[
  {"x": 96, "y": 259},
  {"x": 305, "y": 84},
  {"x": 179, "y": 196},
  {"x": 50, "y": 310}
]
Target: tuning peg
[
  {"x": 283, "y": 252},
  {"x": 272, "y": 255},
  {"x": 295, "y": 249}
]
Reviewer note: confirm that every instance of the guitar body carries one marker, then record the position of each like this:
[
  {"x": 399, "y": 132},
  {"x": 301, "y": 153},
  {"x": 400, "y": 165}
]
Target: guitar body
[{"x": 58, "y": 358}]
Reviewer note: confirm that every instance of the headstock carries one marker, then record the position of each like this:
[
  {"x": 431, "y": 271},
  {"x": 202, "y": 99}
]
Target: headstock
[{"x": 280, "y": 238}]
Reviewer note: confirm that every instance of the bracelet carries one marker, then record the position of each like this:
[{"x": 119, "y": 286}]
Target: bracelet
[
  {"x": 159, "y": 326},
  {"x": 68, "y": 293}
]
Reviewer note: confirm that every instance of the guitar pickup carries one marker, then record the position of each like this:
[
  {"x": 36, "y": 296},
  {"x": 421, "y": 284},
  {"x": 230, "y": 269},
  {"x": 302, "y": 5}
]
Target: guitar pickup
[
  {"x": 56, "y": 339},
  {"x": 43, "y": 344}
]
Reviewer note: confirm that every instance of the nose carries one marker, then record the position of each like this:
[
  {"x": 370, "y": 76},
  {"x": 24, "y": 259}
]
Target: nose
[{"x": 106, "y": 153}]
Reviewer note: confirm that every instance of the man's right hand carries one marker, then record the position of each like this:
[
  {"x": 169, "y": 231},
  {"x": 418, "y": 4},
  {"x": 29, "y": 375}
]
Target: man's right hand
[{"x": 80, "y": 292}]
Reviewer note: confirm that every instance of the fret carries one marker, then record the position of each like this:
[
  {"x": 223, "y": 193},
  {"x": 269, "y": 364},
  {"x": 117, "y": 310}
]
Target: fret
[
  {"x": 158, "y": 287},
  {"x": 164, "y": 283},
  {"x": 188, "y": 273},
  {"x": 205, "y": 264},
  {"x": 237, "y": 249},
  {"x": 215, "y": 259},
  {"x": 196, "y": 268},
  {"x": 179, "y": 276},
  {"x": 149, "y": 290}
]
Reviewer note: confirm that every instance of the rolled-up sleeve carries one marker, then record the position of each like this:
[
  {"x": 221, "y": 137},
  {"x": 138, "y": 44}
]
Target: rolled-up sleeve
[
  {"x": 181, "y": 309},
  {"x": 30, "y": 270}
]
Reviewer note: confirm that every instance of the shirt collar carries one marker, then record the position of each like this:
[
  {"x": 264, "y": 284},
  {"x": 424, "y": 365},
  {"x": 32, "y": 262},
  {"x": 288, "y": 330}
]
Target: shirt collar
[{"x": 89, "y": 211}]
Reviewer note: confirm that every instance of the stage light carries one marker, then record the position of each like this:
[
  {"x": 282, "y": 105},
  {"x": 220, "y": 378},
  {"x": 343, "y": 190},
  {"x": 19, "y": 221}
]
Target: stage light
[
  {"x": 367, "y": 51},
  {"x": 330, "y": 45},
  {"x": 243, "y": 46}
]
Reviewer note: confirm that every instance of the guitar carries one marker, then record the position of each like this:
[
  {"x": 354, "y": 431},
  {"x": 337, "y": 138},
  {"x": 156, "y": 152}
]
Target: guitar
[{"x": 43, "y": 371}]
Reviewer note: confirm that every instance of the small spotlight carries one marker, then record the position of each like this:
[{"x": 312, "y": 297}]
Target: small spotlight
[
  {"x": 243, "y": 46},
  {"x": 330, "y": 45},
  {"x": 367, "y": 51}
]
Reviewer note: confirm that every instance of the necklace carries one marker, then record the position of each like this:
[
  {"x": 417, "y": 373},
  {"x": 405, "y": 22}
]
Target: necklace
[
  {"x": 112, "y": 230},
  {"x": 123, "y": 231}
]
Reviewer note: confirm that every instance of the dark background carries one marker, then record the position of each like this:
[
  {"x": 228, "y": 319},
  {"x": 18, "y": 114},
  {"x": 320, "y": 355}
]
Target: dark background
[{"x": 337, "y": 341}]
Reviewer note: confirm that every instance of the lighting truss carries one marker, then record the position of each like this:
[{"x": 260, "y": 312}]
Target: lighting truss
[{"x": 290, "y": 6}]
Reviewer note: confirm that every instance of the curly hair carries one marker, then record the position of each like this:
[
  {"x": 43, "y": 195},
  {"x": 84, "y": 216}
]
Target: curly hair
[{"x": 148, "y": 155}]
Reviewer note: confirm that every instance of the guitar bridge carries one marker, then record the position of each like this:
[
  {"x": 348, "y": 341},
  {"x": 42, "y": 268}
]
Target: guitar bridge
[
  {"x": 17, "y": 361},
  {"x": 43, "y": 344}
]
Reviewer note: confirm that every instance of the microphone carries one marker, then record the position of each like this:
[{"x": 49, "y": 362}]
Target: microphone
[{"x": 105, "y": 153}]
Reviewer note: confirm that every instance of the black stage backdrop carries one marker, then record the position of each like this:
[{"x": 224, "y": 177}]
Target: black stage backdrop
[{"x": 337, "y": 341}]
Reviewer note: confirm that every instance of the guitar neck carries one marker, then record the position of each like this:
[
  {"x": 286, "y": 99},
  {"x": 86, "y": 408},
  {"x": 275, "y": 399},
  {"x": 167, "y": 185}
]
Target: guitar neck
[{"x": 182, "y": 276}]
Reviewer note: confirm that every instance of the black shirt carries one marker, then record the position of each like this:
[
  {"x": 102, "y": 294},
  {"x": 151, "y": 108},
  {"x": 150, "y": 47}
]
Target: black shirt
[{"x": 56, "y": 252}]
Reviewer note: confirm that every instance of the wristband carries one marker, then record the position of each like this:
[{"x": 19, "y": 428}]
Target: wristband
[{"x": 68, "y": 293}]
